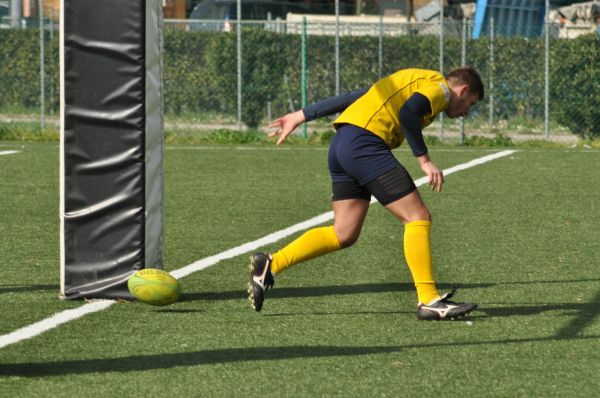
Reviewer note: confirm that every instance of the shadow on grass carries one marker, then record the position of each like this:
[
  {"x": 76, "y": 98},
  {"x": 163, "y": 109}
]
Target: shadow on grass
[
  {"x": 229, "y": 355},
  {"x": 27, "y": 288},
  {"x": 178, "y": 311},
  {"x": 588, "y": 312},
  {"x": 584, "y": 313},
  {"x": 513, "y": 310},
  {"x": 547, "y": 282},
  {"x": 320, "y": 291},
  {"x": 526, "y": 310}
]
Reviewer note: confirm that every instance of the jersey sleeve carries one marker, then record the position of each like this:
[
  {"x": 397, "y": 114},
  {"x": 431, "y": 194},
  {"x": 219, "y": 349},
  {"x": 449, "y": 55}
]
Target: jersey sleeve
[{"x": 331, "y": 105}]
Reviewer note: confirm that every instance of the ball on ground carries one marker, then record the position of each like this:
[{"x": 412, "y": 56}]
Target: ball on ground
[{"x": 154, "y": 286}]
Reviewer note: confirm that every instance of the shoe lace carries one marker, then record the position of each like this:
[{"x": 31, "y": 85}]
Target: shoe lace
[{"x": 447, "y": 296}]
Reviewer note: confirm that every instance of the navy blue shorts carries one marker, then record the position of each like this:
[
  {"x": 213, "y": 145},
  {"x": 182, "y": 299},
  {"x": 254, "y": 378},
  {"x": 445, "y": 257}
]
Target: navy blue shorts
[{"x": 361, "y": 164}]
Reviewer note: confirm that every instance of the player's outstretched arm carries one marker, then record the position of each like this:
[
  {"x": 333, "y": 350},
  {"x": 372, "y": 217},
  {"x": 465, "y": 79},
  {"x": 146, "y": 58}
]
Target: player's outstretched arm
[
  {"x": 332, "y": 105},
  {"x": 285, "y": 125}
]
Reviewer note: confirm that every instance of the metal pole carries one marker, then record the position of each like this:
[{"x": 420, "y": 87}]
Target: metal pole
[
  {"x": 380, "y": 49},
  {"x": 239, "y": 63},
  {"x": 303, "y": 75},
  {"x": 42, "y": 85},
  {"x": 441, "y": 3},
  {"x": 52, "y": 101},
  {"x": 492, "y": 67},
  {"x": 337, "y": 47},
  {"x": 463, "y": 50},
  {"x": 269, "y": 104},
  {"x": 463, "y": 61},
  {"x": 359, "y": 7},
  {"x": 547, "y": 73}
]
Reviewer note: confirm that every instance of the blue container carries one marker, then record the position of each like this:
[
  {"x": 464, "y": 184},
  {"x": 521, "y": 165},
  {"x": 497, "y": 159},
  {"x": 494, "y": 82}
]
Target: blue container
[{"x": 511, "y": 18}]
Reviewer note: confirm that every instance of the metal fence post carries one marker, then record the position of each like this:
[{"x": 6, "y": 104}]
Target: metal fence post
[
  {"x": 303, "y": 74},
  {"x": 42, "y": 83},
  {"x": 269, "y": 104},
  {"x": 337, "y": 47},
  {"x": 492, "y": 66},
  {"x": 380, "y": 47},
  {"x": 52, "y": 99},
  {"x": 441, "y": 117},
  {"x": 463, "y": 61},
  {"x": 239, "y": 63},
  {"x": 547, "y": 73}
]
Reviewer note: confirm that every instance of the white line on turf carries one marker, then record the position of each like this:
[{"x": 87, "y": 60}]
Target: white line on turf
[
  {"x": 8, "y": 152},
  {"x": 57, "y": 319}
]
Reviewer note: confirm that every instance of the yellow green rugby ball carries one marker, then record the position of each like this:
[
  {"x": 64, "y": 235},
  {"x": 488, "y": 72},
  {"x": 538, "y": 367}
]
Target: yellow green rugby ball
[{"x": 154, "y": 286}]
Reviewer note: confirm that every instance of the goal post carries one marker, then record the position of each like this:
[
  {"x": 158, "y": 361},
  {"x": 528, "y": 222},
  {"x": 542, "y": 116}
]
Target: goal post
[{"x": 111, "y": 145}]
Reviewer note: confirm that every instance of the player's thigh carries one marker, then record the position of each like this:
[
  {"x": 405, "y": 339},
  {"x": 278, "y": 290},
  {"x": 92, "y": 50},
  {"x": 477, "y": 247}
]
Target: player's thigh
[
  {"x": 396, "y": 191},
  {"x": 409, "y": 208},
  {"x": 349, "y": 216}
]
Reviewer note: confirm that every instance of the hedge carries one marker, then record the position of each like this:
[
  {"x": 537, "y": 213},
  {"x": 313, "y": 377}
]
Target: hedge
[{"x": 200, "y": 72}]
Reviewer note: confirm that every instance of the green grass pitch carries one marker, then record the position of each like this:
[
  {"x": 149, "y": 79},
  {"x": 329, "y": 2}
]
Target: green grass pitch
[{"x": 520, "y": 235}]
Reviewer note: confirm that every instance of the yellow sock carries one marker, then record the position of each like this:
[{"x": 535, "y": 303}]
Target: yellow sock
[
  {"x": 312, "y": 243},
  {"x": 417, "y": 252}
]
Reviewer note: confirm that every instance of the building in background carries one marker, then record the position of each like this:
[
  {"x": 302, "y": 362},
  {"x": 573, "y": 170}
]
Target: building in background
[
  {"x": 571, "y": 18},
  {"x": 29, "y": 9}
]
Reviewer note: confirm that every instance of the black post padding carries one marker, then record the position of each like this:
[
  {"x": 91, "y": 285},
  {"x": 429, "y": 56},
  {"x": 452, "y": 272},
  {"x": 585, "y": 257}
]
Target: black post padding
[{"x": 103, "y": 147}]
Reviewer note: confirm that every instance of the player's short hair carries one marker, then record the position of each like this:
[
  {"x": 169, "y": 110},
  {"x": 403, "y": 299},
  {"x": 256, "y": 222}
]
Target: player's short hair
[{"x": 469, "y": 76}]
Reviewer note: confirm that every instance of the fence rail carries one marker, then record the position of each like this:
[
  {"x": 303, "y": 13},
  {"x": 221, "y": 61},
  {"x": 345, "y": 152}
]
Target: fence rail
[{"x": 219, "y": 76}]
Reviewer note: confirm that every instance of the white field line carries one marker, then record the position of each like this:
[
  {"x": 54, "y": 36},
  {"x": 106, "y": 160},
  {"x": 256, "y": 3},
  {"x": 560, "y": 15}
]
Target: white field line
[
  {"x": 8, "y": 152},
  {"x": 57, "y": 319}
]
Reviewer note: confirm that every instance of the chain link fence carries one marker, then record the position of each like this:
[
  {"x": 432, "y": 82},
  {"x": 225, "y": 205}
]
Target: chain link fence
[{"x": 220, "y": 75}]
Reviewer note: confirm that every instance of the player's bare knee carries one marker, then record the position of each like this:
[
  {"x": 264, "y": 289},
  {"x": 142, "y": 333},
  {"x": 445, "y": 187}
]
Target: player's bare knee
[
  {"x": 347, "y": 240},
  {"x": 426, "y": 215},
  {"x": 419, "y": 215}
]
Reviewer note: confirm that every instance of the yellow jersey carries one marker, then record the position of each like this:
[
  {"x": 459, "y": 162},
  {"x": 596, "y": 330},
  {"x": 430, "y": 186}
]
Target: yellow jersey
[{"x": 378, "y": 109}]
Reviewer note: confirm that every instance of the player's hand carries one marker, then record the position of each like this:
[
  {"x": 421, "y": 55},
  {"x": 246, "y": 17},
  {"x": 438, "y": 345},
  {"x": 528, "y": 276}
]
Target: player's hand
[
  {"x": 435, "y": 175},
  {"x": 285, "y": 125}
]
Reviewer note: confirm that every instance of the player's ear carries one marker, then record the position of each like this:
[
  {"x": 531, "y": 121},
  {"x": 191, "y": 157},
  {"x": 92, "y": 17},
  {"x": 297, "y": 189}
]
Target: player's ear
[{"x": 463, "y": 90}]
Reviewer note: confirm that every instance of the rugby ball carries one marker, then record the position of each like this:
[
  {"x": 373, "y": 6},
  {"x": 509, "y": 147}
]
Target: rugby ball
[{"x": 154, "y": 286}]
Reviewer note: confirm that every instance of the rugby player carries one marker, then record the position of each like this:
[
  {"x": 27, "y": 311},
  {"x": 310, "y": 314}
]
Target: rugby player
[{"x": 361, "y": 164}]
